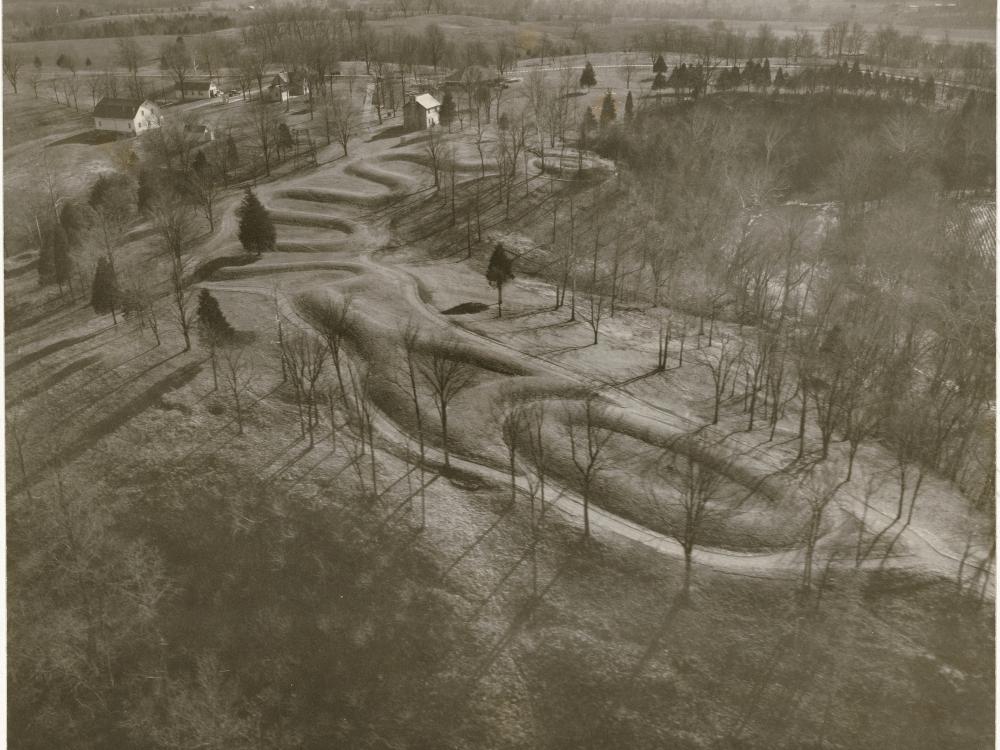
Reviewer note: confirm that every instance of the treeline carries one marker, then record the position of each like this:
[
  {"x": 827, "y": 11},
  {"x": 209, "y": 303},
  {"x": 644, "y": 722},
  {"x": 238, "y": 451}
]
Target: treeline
[
  {"x": 143, "y": 25},
  {"x": 878, "y": 326},
  {"x": 594, "y": 29},
  {"x": 956, "y": 148},
  {"x": 885, "y": 46}
]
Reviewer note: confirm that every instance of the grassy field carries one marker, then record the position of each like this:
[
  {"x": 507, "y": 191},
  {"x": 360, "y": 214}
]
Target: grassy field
[{"x": 605, "y": 656}]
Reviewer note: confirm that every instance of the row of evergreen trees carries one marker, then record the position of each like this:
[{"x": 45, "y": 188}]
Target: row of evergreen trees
[{"x": 694, "y": 79}]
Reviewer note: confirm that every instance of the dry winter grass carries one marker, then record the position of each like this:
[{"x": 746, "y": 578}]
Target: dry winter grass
[{"x": 546, "y": 641}]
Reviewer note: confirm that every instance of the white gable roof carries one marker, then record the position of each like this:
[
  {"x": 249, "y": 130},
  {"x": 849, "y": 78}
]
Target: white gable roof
[{"x": 427, "y": 101}]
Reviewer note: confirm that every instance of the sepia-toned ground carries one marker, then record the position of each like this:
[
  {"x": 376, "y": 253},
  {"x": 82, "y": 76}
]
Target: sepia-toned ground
[{"x": 570, "y": 644}]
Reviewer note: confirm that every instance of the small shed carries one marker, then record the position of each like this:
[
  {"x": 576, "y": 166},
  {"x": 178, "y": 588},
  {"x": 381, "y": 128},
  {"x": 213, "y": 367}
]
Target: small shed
[
  {"x": 198, "y": 89},
  {"x": 421, "y": 111},
  {"x": 287, "y": 84},
  {"x": 132, "y": 116},
  {"x": 199, "y": 132}
]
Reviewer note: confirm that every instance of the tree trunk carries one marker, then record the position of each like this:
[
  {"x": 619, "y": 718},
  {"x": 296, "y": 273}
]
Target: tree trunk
[
  {"x": 444, "y": 433},
  {"x": 802, "y": 423}
]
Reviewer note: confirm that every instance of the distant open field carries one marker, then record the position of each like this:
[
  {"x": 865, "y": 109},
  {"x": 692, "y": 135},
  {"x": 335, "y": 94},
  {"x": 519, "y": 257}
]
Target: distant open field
[
  {"x": 100, "y": 51},
  {"x": 617, "y": 34}
]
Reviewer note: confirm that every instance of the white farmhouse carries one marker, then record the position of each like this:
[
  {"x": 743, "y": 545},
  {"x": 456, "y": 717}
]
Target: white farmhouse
[
  {"x": 130, "y": 116},
  {"x": 421, "y": 112}
]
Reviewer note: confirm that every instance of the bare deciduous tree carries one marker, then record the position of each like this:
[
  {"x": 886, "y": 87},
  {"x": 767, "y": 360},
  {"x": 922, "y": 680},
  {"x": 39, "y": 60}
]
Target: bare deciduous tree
[
  {"x": 362, "y": 388},
  {"x": 129, "y": 56},
  {"x": 447, "y": 375},
  {"x": 692, "y": 496},
  {"x": 138, "y": 300},
  {"x": 238, "y": 375},
  {"x": 818, "y": 488},
  {"x": 263, "y": 121},
  {"x": 206, "y": 186},
  {"x": 340, "y": 118},
  {"x": 722, "y": 366},
  {"x": 304, "y": 356},
  {"x": 434, "y": 148},
  {"x": 175, "y": 227},
  {"x": 332, "y": 319},
  {"x": 12, "y": 64},
  {"x": 411, "y": 350},
  {"x": 182, "y": 310},
  {"x": 588, "y": 436}
]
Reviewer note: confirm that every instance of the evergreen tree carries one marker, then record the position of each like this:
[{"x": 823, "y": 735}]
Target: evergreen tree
[
  {"x": 697, "y": 80},
  {"x": 659, "y": 82},
  {"x": 588, "y": 78},
  {"x": 200, "y": 163},
  {"x": 447, "y": 109},
  {"x": 104, "y": 292},
  {"x": 212, "y": 324},
  {"x": 213, "y": 328},
  {"x": 45, "y": 265},
  {"x": 930, "y": 91},
  {"x": 283, "y": 141},
  {"x": 608, "y": 111},
  {"x": 75, "y": 221},
  {"x": 629, "y": 109},
  {"x": 678, "y": 79},
  {"x": 256, "y": 232},
  {"x": 728, "y": 79},
  {"x": 232, "y": 153},
  {"x": 499, "y": 272},
  {"x": 660, "y": 66},
  {"x": 145, "y": 190},
  {"x": 765, "y": 74},
  {"x": 62, "y": 264},
  {"x": 779, "y": 79},
  {"x": 969, "y": 105}
]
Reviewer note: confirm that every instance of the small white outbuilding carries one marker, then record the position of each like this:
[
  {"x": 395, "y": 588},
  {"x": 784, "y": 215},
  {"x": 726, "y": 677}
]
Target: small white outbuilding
[{"x": 421, "y": 111}]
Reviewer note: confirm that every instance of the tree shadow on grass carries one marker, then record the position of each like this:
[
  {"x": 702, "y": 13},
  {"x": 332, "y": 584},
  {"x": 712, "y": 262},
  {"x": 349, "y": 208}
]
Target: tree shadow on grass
[
  {"x": 466, "y": 688},
  {"x": 27, "y": 359},
  {"x": 603, "y": 728},
  {"x": 465, "y": 553},
  {"x": 636, "y": 378},
  {"x": 567, "y": 349},
  {"x": 176, "y": 379},
  {"x": 558, "y": 324},
  {"x": 393, "y": 131},
  {"x": 97, "y": 399},
  {"x": 91, "y": 137}
]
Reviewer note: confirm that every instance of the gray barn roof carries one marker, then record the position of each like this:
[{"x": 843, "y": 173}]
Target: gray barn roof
[
  {"x": 426, "y": 101},
  {"x": 117, "y": 109}
]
